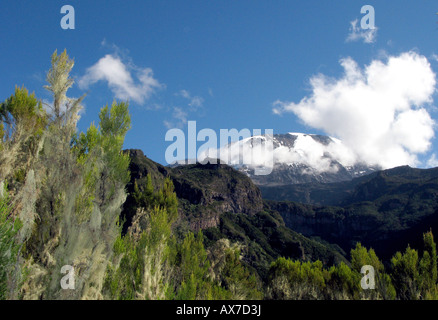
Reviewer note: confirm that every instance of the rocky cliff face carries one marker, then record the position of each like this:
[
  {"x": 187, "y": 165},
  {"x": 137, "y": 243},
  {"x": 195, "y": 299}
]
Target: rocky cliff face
[
  {"x": 207, "y": 191},
  {"x": 210, "y": 183},
  {"x": 333, "y": 224}
]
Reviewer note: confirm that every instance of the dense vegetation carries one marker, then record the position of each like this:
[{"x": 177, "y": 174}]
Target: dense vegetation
[{"x": 198, "y": 232}]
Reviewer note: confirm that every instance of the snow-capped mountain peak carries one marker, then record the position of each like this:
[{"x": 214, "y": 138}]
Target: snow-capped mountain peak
[{"x": 302, "y": 158}]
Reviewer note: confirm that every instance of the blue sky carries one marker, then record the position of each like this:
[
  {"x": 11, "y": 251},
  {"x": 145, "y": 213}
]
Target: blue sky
[{"x": 221, "y": 63}]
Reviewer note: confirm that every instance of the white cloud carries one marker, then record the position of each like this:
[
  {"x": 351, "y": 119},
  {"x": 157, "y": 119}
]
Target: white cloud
[
  {"x": 120, "y": 80},
  {"x": 378, "y": 112},
  {"x": 310, "y": 152},
  {"x": 185, "y": 94},
  {"x": 357, "y": 33},
  {"x": 168, "y": 124},
  {"x": 180, "y": 115},
  {"x": 179, "y": 118},
  {"x": 432, "y": 162},
  {"x": 195, "y": 102}
]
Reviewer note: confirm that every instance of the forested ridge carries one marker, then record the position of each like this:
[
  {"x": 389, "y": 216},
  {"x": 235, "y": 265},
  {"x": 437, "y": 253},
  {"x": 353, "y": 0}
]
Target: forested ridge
[{"x": 63, "y": 201}]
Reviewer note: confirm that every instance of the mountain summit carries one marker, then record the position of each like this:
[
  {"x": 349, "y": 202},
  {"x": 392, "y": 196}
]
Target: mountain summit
[{"x": 306, "y": 158}]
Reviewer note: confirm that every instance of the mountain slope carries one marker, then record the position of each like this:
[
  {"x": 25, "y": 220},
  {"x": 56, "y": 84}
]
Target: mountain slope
[
  {"x": 265, "y": 237},
  {"x": 365, "y": 188},
  {"x": 386, "y": 210},
  {"x": 204, "y": 191}
]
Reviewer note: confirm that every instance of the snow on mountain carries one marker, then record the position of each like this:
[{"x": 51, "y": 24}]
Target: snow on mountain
[{"x": 301, "y": 158}]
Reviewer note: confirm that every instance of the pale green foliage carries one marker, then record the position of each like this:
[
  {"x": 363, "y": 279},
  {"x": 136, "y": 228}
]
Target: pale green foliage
[
  {"x": 309, "y": 280},
  {"x": 360, "y": 257},
  {"x": 216, "y": 274},
  {"x": 414, "y": 277},
  {"x": 141, "y": 266},
  {"x": 405, "y": 274},
  {"x": 157, "y": 270},
  {"x": 231, "y": 274},
  {"x": 194, "y": 267},
  {"x": 22, "y": 123},
  {"x": 27, "y": 197},
  {"x": 343, "y": 283},
  {"x": 102, "y": 146},
  {"x": 115, "y": 121},
  {"x": 72, "y": 217},
  {"x": 9, "y": 248},
  {"x": 114, "y": 124},
  {"x": 295, "y": 280},
  {"x": 59, "y": 79},
  {"x": 428, "y": 268},
  {"x": 164, "y": 198},
  {"x": 217, "y": 255},
  {"x": 2, "y": 134}
]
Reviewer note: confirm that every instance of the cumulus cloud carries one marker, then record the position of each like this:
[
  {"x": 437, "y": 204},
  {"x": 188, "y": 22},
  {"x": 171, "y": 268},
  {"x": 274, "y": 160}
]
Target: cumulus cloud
[
  {"x": 378, "y": 112},
  {"x": 119, "y": 77},
  {"x": 357, "y": 33},
  {"x": 313, "y": 153},
  {"x": 306, "y": 151}
]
